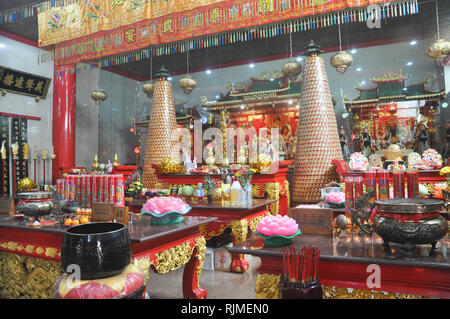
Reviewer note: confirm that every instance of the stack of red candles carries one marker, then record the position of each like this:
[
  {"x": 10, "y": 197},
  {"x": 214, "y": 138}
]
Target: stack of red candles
[
  {"x": 412, "y": 175},
  {"x": 301, "y": 268},
  {"x": 399, "y": 184}
]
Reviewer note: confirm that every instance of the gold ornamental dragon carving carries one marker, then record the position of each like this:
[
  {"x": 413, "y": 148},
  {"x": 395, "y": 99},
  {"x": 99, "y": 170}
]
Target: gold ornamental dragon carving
[
  {"x": 239, "y": 229},
  {"x": 273, "y": 192},
  {"x": 267, "y": 286},
  {"x": 26, "y": 277}
]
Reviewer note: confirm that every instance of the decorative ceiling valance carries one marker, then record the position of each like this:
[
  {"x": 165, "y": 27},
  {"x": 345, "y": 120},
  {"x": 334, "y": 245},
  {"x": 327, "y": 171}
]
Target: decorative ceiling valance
[{"x": 81, "y": 31}]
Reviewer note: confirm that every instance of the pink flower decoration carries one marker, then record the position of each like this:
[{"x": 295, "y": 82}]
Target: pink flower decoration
[
  {"x": 336, "y": 197},
  {"x": 277, "y": 225},
  {"x": 164, "y": 204}
]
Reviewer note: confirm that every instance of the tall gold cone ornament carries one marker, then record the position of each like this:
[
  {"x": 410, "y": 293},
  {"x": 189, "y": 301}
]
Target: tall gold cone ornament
[
  {"x": 317, "y": 137},
  {"x": 161, "y": 126}
]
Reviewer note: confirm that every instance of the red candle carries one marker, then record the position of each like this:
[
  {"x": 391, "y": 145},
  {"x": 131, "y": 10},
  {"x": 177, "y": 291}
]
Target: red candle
[
  {"x": 95, "y": 188},
  {"x": 71, "y": 187},
  {"x": 412, "y": 176},
  {"x": 383, "y": 184},
  {"x": 112, "y": 188},
  {"x": 105, "y": 194},
  {"x": 66, "y": 188},
  {"x": 358, "y": 186},
  {"x": 120, "y": 197},
  {"x": 371, "y": 183},
  {"x": 88, "y": 191},
  {"x": 349, "y": 195},
  {"x": 399, "y": 184}
]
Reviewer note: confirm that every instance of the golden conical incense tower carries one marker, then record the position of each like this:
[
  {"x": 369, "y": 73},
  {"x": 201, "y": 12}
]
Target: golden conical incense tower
[
  {"x": 317, "y": 137},
  {"x": 160, "y": 128}
]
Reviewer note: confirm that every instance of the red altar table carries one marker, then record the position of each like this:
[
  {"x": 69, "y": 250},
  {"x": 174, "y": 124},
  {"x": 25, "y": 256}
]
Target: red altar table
[
  {"x": 426, "y": 177},
  {"x": 270, "y": 186},
  {"x": 344, "y": 267},
  {"x": 30, "y": 257},
  {"x": 237, "y": 218},
  {"x": 125, "y": 170}
]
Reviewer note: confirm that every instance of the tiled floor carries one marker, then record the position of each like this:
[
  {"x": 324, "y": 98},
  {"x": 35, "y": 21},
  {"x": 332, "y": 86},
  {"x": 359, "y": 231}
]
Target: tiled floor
[{"x": 219, "y": 284}]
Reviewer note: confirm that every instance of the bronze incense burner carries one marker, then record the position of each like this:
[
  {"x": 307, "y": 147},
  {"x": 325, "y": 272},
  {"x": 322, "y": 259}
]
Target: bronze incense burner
[
  {"x": 410, "y": 221},
  {"x": 406, "y": 221}
]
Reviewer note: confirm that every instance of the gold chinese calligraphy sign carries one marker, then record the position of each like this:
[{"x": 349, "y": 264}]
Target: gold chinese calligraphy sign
[{"x": 19, "y": 82}]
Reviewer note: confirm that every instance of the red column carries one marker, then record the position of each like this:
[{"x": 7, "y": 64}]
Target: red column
[{"x": 64, "y": 104}]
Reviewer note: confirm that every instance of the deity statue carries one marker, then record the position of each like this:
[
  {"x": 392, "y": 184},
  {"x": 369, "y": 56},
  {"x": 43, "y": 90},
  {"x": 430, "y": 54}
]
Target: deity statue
[
  {"x": 344, "y": 140},
  {"x": 422, "y": 138},
  {"x": 366, "y": 140},
  {"x": 390, "y": 135},
  {"x": 3, "y": 150}
]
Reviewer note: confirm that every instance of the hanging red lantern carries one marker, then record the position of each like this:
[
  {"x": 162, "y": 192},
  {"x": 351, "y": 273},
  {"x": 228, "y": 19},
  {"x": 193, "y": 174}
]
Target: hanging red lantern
[{"x": 137, "y": 150}]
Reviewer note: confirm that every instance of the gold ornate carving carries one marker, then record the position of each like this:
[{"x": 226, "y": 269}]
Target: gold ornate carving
[
  {"x": 390, "y": 77},
  {"x": 200, "y": 244},
  {"x": 239, "y": 229},
  {"x": 258, "y": 190},
  {"x": 254, "y": 222},
  {"x": 30, "y": 249},
  {"x": 259, "y": 96},
  {"x": 288, "y": 194},
  {"x": 267, "y": 75},
  {"x": 267, "y": 286},
  {"x": 331, "y": 292},
  {"x": 27, "y": 277},
  {"x": 172, "y": 258},
  {"x": 209, "y": 234},
  {"x": 143, "y": 264},
  {"x": 273, "y": 192}
]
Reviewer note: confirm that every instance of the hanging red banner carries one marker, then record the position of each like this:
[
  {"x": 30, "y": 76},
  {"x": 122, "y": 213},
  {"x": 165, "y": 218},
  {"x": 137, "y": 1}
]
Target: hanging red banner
[{"x": 88, "y": 30}]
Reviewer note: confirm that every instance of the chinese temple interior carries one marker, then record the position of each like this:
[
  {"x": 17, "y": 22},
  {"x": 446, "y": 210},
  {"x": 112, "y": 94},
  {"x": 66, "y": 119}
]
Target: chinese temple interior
[{"x": 225, "y": 149}]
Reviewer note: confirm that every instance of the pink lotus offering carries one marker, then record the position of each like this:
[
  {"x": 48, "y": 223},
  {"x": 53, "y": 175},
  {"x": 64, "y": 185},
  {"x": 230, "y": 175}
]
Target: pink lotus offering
[
  {"x": 165, "y": 204},
  {"x": 277, "y": 225},
  {"x": 336, "y": 197}
]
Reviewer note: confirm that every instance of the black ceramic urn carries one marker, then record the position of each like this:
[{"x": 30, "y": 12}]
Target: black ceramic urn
[{"x": 99, "y": 249}]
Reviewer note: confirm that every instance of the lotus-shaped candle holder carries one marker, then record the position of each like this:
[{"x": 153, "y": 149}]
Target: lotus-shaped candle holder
[
  {"x": 277, "y": 230},
  {"x": 165, "y": 210}
]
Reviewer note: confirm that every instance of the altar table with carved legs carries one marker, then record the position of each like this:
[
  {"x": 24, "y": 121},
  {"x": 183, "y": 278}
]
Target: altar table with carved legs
[
  {"x": 30, "y": 257},
  {"x": 238, "y": 218},
  {"x": 270, "y": 186},
  {"x": 344, "y": 268}
]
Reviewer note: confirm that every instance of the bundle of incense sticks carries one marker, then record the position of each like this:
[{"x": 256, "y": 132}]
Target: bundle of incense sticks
[{"x": 303, "y": 267}]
